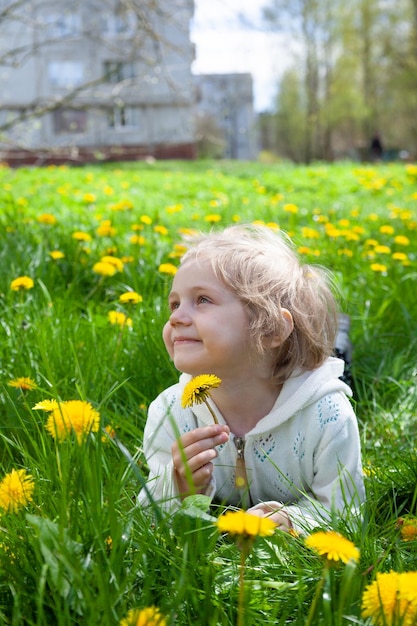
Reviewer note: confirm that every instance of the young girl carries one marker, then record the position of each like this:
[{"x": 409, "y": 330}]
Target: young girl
[{"x": 286, "y": 441}]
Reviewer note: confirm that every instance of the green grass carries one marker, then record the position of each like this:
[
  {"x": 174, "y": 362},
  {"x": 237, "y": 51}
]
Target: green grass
[{"x": 82, "y": 552}]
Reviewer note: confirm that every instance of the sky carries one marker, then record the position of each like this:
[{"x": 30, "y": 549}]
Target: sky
[{"x": 223, "y": 45}]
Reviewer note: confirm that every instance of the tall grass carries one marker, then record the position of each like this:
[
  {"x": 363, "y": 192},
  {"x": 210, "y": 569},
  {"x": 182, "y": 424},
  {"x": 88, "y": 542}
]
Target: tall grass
[{"x": 81, "y": 551}]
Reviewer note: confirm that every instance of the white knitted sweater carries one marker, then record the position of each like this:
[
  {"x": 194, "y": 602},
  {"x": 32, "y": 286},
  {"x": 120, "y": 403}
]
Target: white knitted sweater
[{"x": 304, "y": 454}]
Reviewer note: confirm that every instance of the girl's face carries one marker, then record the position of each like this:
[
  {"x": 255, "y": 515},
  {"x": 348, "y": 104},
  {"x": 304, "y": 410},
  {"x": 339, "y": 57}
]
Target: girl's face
[{"x": 208, "y": 330}]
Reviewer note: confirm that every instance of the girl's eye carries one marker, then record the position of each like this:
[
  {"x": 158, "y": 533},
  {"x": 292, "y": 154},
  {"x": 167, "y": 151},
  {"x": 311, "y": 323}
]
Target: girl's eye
[
  {"x": 202, "y": 300},
  {"x": 173, "y": 306}
]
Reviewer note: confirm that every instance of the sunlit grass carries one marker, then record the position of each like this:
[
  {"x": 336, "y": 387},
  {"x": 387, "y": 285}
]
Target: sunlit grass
[{"x": 80, "y": 551}]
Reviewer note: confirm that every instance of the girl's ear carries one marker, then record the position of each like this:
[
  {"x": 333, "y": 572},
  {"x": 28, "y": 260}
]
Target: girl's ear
[{"x": 288, "y": 327}]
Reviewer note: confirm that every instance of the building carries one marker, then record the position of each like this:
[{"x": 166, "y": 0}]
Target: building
[
  {"x": 225, "y": 115},
  {"x": 96, "y": 79}
]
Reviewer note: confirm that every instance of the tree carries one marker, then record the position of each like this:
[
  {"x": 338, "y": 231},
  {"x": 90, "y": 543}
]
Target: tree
[{"x": 357, "y": 68}]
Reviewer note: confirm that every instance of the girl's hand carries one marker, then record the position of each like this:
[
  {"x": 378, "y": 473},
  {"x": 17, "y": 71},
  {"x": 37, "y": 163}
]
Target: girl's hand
[
  {"x": 275, "y": 511},
  {"x": 192, "y": 456}
]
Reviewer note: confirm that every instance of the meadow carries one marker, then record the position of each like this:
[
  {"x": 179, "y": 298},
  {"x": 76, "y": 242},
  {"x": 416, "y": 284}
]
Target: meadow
[{"x": 86, "y": 259}]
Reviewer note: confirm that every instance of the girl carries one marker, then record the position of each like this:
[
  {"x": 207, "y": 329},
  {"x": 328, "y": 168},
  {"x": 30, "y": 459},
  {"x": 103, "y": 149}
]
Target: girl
[{"x": 286, "y": 444}]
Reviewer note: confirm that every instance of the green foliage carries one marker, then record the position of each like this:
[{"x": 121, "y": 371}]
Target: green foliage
[{"x": 81, "y": 551}]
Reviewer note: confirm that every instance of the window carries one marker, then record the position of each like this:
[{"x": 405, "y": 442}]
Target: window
[
  {"x": 69, "y": 121},
  {"x": 62, "y": 25},
  {"x": 116, "y": 71},
  {"x": 120, "y": 23},
  {"x": 124, "y": 116},
  {"x": 67, "y": 74}
]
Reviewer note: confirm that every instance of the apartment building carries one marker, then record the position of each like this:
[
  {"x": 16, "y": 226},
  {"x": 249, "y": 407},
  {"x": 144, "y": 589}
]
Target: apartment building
[{"x": 84, "y": 80}]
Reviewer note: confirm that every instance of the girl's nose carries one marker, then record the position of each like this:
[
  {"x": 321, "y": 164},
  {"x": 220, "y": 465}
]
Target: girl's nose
[{"x": 180, "y": 315}]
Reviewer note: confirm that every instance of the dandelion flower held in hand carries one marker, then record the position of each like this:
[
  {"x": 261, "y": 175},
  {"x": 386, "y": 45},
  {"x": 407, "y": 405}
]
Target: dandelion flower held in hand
[
  {"x": 245, "y": 524},
  {"x": 333, "y": 546},
  {"x": 151, "y": 616},
  {"x": 197, "y": 390},
  {"x": 16, "y": 490}
]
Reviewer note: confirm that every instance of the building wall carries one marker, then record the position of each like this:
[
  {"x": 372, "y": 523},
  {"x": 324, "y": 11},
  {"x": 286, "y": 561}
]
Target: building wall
[
  {"x": 227, "y": 100},
  {"x": 145, "y": 101}
]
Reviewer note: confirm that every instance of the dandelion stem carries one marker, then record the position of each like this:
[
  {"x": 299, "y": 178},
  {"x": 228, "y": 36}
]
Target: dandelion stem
[
  {"x": 216, "y": 421},
  {"x": 313, "y": 607},
  {"x": 241, "y": 602}
]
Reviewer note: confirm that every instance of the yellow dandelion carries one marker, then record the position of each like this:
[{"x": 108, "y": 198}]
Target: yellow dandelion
[
  {"x": 46, "y": 405},
  {"x": 402, "y": 240},
  {"x": 386, "y": 229},
  {"x": 56, "y": 255},
  {"x": 391, "y": 599},
  {"x": 382, "y": 249},
  {"x": 24, "y": 383},
  {"x": 290, "y": 208},
  {"x": 16, "y": 490},
  {"x": 333, "y": 546},
  {"x": 145, "y": 219},
  {"x": 119, "y": 319},
  {"x": 73, "y": 416},
  {"x": 130, "y": 297},
  {"x": 245, "y": 524},
  {"x": 378, "y": 267},
  {"x": 47, "y": 218},
  {"x": 213, "y": 218},
  {"x": 80, "y": 235},
  {"x": 113, "y": 260},
  {"x": 104, "y": 269},
  {"x": 168, "y": 268},
  {"x": 21, "y": 283},
  {"x": 174, "y": 208},
  {"x": 400, "y": 256},
  {"x": 109, "y": 544},
  {"x": 187, "y": 232},
  {"x": 106, "y": 229},
  {"x": 345, "y": 252},
  {"x": 151, "y": 616},
  {"x": 309, "y": 233},
  {"x": 89, "y": 198},
  {"x": 161, "y": 230},
  {"x": 197, "y": 389},
  {"x": 138, "y": 240},
  {"x": 351, "y": 236},
  {"x": 178, "y": 251},
  {"x": 108, "y": 433},
  {"x": 408, "y": 529}
]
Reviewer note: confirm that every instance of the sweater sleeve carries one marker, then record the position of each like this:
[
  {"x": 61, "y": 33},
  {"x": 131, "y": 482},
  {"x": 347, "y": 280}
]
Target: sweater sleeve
[
  {"x": 337, "y": 487},
  {"x": 159, "y": 435}
]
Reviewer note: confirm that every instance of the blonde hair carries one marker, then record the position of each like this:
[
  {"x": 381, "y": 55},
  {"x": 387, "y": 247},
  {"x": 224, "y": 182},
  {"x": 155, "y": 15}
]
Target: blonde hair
[{"x": 261, "y": 268}]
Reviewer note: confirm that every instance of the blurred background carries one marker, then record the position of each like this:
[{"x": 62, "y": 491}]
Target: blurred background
[{"x": 154, "y": 79}]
